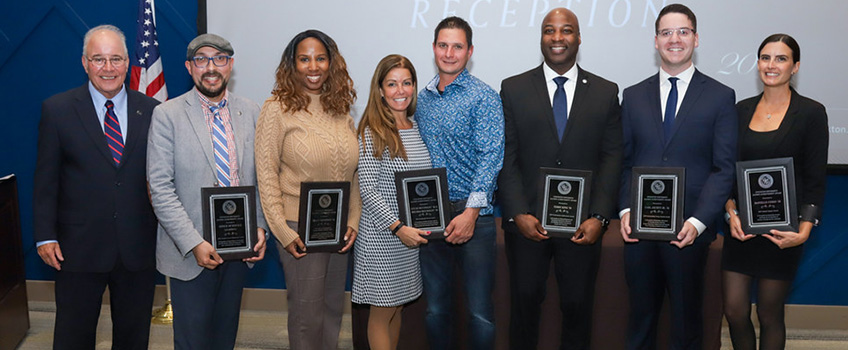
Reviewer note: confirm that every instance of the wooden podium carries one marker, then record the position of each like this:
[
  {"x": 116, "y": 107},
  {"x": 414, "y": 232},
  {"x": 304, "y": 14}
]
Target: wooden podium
[{"x": 14, "y": 314}]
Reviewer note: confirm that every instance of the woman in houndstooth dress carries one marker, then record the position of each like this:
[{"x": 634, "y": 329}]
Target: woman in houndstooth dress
[{"x": 386, "y": 272}]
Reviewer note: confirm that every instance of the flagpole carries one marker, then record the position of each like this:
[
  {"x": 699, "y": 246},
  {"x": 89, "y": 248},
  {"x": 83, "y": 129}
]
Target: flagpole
[{"x": 164, "y": 314}]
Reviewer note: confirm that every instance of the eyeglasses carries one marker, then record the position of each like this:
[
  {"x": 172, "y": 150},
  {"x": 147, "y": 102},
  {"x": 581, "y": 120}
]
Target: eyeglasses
[
  {"x": 682, "y": 32},
  {"x": 101, "y": 61},
  {"x": 203, "y": 61}
]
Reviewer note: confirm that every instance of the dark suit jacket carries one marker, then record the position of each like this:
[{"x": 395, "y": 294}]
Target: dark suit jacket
[
  {"x": 803, "y": 135},
  {"x": 703, "y": 141},
  {"x": 98, "y": 212},
  {"x": 592, "y": 140}
]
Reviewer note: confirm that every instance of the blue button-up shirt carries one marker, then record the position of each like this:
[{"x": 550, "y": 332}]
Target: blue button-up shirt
[{"x": 463, "y": 128}]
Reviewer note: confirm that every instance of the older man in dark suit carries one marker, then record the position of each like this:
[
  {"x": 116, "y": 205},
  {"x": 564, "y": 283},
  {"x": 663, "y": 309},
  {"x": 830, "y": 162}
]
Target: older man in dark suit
[
  {"x": 676, "y": 118},
  {"x": 93, "y": 219},
  {"x": 560, "y": 116}
]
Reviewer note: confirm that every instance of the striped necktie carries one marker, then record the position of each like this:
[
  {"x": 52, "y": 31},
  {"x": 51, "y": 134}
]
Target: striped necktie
[
  {"x": 112, "y": 129},
  {"x": 219, "y": 140}
]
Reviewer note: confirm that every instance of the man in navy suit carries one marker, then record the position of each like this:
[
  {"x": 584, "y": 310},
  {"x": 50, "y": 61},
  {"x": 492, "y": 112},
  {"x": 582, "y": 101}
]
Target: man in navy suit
[
  {"x": 700, "y": 137},
  {"x": 585, "y": 134},
  {"x": 93, "y": 220}
]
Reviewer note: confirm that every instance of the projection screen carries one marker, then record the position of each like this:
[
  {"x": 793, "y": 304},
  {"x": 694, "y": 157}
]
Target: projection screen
[{"x": 617, "y": 41}]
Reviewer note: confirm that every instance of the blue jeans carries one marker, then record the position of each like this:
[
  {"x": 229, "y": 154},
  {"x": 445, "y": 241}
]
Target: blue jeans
[{"x": 476, "y": 262}]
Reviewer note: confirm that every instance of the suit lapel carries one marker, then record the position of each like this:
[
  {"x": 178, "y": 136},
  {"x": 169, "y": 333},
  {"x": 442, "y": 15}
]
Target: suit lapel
[
  {"x": 693, "y": 92},
  {"x": 237, "y": 122},
  {"x": 87, "y": 115},
  {"x": 540, "y": 93},
  {"x": 788, "y": 120},
  {"x": 577, "y": 102},
  {"x": 134, "y": 127},
  {"x": 654, "y": 104},
  {"x": 201, "y": 131}
]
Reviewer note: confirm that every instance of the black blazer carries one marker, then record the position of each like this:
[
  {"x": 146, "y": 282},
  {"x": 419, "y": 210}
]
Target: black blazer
[
  {"x": 802, "y": 135},
  {"x": 592, "y": 140},
  {"x": 98, "y": 212}
]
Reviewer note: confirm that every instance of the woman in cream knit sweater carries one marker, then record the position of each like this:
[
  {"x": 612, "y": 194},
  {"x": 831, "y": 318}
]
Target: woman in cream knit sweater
[{"x": 305, "y": 133}]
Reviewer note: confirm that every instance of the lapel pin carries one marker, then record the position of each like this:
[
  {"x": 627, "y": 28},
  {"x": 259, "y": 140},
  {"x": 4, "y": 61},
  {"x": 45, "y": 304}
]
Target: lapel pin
[
  {"x": 585, "y": 81},
  {"x": 138, "y": 112}
]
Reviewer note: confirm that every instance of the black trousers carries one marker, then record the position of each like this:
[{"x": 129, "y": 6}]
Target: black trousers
[
  {"x": 575, "y": 268},
  {"x": 78, "y": 299}
]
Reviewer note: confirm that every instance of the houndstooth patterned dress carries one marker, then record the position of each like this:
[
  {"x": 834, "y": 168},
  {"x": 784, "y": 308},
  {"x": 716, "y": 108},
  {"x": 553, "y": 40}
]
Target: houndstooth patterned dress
[{"x": 385, "y": 272}]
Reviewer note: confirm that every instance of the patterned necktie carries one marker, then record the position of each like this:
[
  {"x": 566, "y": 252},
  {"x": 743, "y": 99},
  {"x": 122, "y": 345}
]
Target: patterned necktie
[
  {"x": 112, "y": 129},
  {"x": 560, "y": 106},
  {"x": 219, "y": 140},
  {"x": 670, "y": 110}
]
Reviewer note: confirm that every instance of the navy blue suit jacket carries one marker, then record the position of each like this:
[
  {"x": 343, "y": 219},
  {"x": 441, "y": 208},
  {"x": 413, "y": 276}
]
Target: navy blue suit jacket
[
  {"x": 703, "y": 141},
  {"x": 98, "y": 212}
]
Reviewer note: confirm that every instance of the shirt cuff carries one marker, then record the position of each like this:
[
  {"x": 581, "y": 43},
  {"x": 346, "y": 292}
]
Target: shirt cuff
[
  {"x": 698, "y": 225},
  {"x": 477, "y": 200},
  {"x": 622, "y": 212},
  {"x": 45, "y": 242}
]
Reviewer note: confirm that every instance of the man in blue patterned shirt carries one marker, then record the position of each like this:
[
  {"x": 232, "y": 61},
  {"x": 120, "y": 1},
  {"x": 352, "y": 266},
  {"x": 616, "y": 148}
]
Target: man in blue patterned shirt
[{"x": 461, "y": 121}]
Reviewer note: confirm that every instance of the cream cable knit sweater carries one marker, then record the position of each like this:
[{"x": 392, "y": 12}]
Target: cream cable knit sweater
[{"x": 302, "y": 146}]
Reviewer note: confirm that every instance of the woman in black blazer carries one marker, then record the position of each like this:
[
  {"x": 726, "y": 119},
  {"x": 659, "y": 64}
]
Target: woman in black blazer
[{"x": 778, "y": 123}]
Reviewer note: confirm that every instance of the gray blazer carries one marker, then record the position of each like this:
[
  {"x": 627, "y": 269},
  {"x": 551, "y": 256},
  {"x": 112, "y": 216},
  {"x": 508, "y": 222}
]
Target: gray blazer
[{"x": 179, "y": 163}]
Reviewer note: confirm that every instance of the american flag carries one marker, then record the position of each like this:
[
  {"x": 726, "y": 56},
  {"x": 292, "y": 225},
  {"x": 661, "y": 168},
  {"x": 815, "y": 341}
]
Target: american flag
[{"x": 147, "y": 75}]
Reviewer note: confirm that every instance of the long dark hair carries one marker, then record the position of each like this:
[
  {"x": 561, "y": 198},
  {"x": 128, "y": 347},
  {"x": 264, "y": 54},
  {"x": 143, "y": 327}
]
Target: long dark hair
[{"x": 337, "y": 93}]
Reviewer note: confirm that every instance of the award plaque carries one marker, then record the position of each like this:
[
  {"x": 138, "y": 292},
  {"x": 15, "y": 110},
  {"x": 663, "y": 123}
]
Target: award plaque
[
  {"x": 767, "y": 195},
  {"x": 229, "y": 220},
  {"x": 323, "y": 215},
  {"x": 563, "y": 200},
  {"x": 422, "y": 197},
  {"x": 656, "y": 204}
]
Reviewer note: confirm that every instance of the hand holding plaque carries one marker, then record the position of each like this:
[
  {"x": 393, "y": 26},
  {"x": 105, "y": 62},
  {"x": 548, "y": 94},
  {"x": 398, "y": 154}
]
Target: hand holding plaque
[
  {"x": 323, "y": 215},
  {"x": 563, "y": 200},
  {"x": 422, "y": 197},
  {"x": 229, "y": 220},
  {"x": 656, "y": 203},
  {"x": 766, "y": 197}
]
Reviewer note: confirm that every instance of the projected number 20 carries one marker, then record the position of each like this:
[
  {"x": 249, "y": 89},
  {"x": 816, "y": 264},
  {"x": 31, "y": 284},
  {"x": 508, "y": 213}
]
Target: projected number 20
[{"x": 733, "y": 63}]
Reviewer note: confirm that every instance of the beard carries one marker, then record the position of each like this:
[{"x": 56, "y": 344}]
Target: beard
[{"x": 211, "y": 93}]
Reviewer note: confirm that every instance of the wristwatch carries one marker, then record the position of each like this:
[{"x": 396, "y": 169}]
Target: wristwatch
[{"x": 604, "y": 221}]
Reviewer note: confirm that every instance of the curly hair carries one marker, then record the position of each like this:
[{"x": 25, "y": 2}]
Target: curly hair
[
  {"x": 378, "y": 116},
  {"x": 337, "y": 93}
]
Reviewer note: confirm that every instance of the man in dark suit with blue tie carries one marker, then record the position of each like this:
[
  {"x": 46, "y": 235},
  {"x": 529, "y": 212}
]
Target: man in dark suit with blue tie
[
  {"x": 93, "y": 220},
  {"x": 557, "y": 115},
  {"x": 677, "y": 118}
]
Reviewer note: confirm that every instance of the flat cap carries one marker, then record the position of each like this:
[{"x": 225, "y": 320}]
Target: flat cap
[{"x": 211, "y": 40}]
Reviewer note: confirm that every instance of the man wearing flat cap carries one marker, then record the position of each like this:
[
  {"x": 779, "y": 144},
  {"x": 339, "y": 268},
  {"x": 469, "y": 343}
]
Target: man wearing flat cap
[{"x": 203, "y": 138}]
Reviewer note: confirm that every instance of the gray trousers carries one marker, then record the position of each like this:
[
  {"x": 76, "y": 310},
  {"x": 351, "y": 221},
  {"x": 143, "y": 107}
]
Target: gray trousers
[{"x": 315, "y": 285}]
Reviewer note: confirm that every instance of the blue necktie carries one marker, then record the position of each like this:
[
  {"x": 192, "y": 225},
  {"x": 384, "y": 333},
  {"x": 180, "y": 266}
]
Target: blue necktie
[
  {"x": 560, "y": 106},
  {"x": 112, "y": 129},
  {"x": 670, "y": 110},
  {"x": 219, "y": 140}
]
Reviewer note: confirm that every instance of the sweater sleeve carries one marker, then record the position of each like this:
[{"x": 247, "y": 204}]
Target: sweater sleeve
[{"x": 268, "y": 153}]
